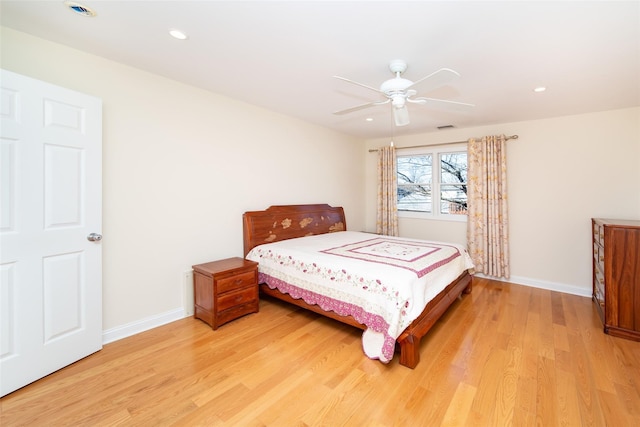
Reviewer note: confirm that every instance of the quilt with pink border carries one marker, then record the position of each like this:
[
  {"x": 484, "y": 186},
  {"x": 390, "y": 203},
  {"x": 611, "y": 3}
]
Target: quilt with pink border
[{"x": 384, "y": 282}]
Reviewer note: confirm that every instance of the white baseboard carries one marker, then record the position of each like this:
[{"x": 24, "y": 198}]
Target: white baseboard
[
  {"x": 117, "y": 333},
  {"x": 542, "y": 284}
]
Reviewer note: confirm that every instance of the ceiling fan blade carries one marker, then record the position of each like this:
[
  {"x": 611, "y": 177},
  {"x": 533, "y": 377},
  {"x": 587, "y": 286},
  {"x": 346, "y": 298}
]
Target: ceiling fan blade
[
  {"x": 358, "y": 84},
  {"x": 437, "y": 78},
  {"x": 361, "y": 107},
  {"x": 440, "y": 102},
  {"x": 401, "y": 116}
]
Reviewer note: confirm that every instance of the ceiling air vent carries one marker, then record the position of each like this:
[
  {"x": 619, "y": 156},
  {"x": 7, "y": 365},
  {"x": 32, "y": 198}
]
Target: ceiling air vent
[
  {"x": 79, "y": 9},
  {"x": 446, "y": 127}
]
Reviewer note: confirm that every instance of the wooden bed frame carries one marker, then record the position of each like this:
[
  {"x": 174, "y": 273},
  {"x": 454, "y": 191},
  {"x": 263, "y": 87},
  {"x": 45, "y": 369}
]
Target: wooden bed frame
[{"x": 290, "y": 221}]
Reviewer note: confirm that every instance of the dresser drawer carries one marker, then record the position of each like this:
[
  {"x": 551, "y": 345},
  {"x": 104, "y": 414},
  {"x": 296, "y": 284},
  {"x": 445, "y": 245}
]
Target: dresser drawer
[
  {"x": 237, "y": 281},
  {"x": 598, "y": 256},
  {"x": 239, "y": 297},
  {"x": 599, "y": 277},
  {"x": 598, "y": 233}
]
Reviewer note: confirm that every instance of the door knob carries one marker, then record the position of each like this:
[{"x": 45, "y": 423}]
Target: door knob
[{"x": 94, "y": 237}]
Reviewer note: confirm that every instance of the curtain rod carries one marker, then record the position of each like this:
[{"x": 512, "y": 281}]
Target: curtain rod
[{"x": 443, "y": 143}]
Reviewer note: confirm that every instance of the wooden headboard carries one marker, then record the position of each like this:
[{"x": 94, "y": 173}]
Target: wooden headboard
[{"x": 290, "y": 221}]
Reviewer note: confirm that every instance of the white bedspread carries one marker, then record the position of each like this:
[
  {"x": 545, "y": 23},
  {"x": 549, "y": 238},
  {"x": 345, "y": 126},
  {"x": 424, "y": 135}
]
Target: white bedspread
[{"x": 383, "y": 282}]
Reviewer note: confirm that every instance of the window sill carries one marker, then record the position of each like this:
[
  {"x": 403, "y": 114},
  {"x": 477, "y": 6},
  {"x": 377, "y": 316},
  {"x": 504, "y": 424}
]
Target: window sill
[{"x": 432, "y": 216}]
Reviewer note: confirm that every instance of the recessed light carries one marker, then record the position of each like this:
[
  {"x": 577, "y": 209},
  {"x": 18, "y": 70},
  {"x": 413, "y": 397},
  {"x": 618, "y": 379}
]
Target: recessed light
[
  {"x": 369, "y": 119},
  {"x": 79, "y": 9},
  {"x": 178, "y": 34},
  {"x": 540, "y": 89}
]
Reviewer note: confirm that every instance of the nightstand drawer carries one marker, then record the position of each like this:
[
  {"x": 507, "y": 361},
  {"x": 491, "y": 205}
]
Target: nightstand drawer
[
  {"x": 239, "y": 297},
  {"x": 236, "y": 282},
  {"x": 237, "y": 311}
]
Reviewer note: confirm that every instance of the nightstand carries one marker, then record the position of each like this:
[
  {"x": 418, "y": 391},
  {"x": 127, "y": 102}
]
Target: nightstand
[{"x": 225, "y": 290}]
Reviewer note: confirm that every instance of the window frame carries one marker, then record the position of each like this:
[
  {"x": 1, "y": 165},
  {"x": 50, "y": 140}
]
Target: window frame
[{"x": 435, "y": 151}]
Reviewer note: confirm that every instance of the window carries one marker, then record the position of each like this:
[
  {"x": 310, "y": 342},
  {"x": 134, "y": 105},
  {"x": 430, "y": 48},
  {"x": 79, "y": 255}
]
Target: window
[{"x": 429, "y": 191}]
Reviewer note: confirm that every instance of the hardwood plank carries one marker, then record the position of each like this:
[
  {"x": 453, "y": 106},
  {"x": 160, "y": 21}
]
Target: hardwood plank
[
  {"x": 584, "y": 373},
  {"x": 545, "y": 336},
  {"x": 524, "y": 413},
  {"x": 460, "y": 406},
  {"x": 503, "y": 355},
  {"x": 557, "y": 309},
  {"x": 568, "y": 410},
  {"x": 507, "y": 387},
  {"x": 547, "y": 393},
  {"x": 483, "y": 407}
]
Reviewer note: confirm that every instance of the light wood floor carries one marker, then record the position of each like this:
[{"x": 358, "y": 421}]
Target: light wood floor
[{"x": 504, "y": 355}]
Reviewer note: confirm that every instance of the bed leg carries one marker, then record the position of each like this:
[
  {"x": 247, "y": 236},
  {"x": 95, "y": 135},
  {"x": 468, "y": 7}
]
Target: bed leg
[
  {"x": 467, "y": 290},
  {"x": 409, "y": 351}
]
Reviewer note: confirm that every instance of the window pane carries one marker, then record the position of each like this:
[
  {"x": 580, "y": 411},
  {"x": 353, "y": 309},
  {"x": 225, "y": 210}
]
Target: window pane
[
  {"x": 414, "y": 198},
  {"x": 453, "y": 168},
  {"x": 414, "y": 183},
  {"x": 414, "y": 170},
  {"x": 453, "y": 199}
]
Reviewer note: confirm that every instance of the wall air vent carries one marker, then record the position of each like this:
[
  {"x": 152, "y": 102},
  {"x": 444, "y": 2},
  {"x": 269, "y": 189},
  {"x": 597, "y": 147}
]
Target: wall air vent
[{"x": 79, "y": 9}]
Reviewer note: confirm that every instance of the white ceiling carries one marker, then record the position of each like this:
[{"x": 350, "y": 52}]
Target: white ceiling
[{"x": 282, "y": 55}]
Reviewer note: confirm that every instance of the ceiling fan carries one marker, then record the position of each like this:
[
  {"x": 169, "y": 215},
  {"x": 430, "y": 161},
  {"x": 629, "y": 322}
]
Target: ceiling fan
[{"x": 399, "y": 91}]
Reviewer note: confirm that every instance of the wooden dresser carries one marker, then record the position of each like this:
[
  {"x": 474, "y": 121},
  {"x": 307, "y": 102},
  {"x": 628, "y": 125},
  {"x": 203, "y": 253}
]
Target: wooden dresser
[
  {"x": 225, "y": 290},
  {"x": 616, "y": 275}
]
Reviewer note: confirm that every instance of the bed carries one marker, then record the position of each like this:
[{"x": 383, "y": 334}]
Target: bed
[{"x": 338, "y": 259}]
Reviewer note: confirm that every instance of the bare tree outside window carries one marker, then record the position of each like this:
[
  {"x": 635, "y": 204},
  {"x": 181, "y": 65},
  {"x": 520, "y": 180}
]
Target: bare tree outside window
[
  {"x": 453, "y": 183},
  {"x": 414, "y": 183},
  {"x": 420, "y": 189}
]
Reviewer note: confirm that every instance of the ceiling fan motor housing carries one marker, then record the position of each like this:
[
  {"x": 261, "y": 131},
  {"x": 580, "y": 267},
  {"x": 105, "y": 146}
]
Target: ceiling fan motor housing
[{"x": 395, "y": 85}]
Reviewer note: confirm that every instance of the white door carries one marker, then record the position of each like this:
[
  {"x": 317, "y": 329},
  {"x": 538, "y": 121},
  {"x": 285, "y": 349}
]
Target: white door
[{"x": 51, "y": 200}]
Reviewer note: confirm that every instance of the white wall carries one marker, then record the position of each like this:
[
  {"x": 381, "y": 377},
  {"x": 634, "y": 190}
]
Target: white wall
[
  {"x": 180, "y": 166},
  {"x": 561, "y": 172}
]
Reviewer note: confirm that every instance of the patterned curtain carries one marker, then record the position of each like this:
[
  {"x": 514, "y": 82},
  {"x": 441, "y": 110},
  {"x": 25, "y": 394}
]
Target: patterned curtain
[
  {"x": 488, "y": 224},
  {"x": 387, "y": 211}
]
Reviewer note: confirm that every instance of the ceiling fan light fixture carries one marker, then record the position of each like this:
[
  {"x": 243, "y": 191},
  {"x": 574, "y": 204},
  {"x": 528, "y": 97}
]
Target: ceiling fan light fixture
[
  {"x": 398, "y": 101},
  {"x": 401, "y": 116}
]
